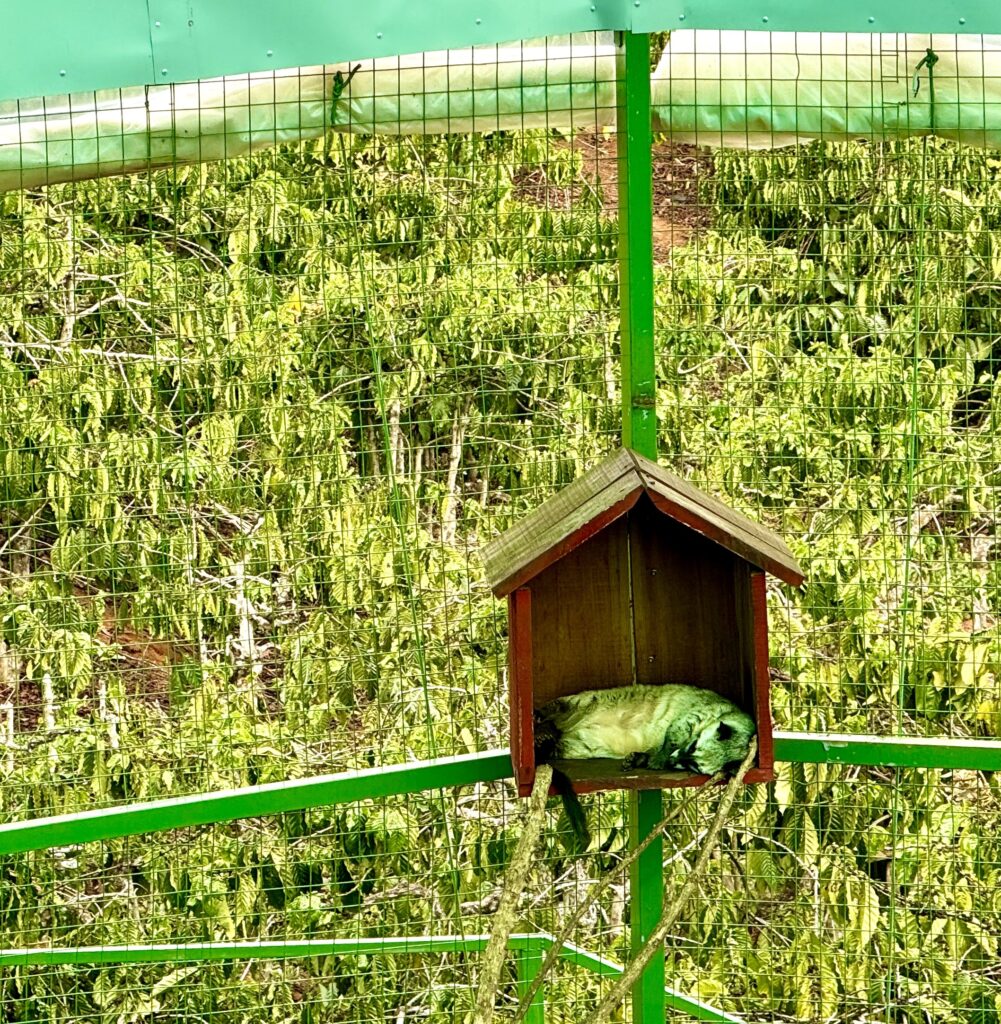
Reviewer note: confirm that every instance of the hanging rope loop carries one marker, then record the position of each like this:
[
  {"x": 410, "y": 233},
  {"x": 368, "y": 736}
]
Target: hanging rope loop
[{"x": 929, "y": 60}]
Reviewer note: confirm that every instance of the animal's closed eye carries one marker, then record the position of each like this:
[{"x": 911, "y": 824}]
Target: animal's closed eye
[{"x": 724, "y": 732}]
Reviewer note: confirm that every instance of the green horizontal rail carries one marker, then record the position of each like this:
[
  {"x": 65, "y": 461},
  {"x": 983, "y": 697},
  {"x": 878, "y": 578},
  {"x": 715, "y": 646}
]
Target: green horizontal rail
[
  {"x": 253, "y": 801},
  {"x": 607, "y": 968},
  {"x": 892, "y": 751},
  {"x": 66, "y": 46},
  {"x": 442, "y": 773},
  {"x": 201, "y": 952}
]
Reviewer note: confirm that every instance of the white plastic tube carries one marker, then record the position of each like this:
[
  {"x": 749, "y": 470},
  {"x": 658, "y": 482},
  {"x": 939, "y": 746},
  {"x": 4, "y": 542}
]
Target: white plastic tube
[
  {"x": 763, "y": 89},
  {"x": 741, "y": 89},
  {"x": 79, "y": 136}
]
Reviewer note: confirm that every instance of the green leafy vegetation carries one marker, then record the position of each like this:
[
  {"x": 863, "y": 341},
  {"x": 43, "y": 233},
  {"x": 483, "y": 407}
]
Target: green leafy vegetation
[{"x": 255, "y": 419}]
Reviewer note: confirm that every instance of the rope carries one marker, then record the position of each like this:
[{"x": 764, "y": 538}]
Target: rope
[{"x": 929, "y": 60}]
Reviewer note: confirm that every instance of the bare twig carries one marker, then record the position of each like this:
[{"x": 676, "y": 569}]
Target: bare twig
[
  {"x": 22, "y": 529},
  {"x": 7, "y": 732},
  {"x": 556, "y": 947},
  {"x": 396, "y": 450},
  {"x": 57, "y": 349},
  {"x": 672, "y": 912},
  {"x": 448, "y": 502},
  {"x": 514, "y": 884}
]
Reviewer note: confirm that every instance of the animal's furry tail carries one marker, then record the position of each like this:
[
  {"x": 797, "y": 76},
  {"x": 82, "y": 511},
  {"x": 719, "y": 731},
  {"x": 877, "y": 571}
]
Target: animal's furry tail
[
  {"x": 579, "y": 833},
  {"x": 546, "y": 738}
]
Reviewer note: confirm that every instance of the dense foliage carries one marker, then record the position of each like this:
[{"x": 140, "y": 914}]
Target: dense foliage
[{"x": 256, "y": 418}]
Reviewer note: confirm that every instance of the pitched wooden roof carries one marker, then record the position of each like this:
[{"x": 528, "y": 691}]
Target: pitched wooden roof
[{"x": 609, "y": 490}]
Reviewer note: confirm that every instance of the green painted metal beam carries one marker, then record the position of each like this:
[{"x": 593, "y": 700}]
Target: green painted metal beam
[
  {"x": 636, "y": 300},
  {"x": 531, "y": 944},
  {"x": 290, "y": 949},
  {"x": 67, "y": 46},
  {"x": 634, "y": 125},
  {"x": 445, "y": 772},
  {"x": 675, "y": 1000},
  {"x": 646, "y": 904},
  {"x": 902, "y": 752},
  {"x": 529, "y": 962},
  {"x": 253, "y": 801}
]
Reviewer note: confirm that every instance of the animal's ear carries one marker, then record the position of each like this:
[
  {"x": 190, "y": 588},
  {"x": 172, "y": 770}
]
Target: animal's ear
[{"x": 724, "y": 732}]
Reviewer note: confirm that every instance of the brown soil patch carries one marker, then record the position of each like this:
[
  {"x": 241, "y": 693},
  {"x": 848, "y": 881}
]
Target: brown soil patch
[
  {"x": 143, "y": 663},
  {"x": 677, "y": 213},
  {"x": 25, "y": 696}
]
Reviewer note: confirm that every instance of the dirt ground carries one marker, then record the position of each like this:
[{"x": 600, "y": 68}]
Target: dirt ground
[
  {"x": 677, "y": 213},
  {"x": 143, "y": 663}
]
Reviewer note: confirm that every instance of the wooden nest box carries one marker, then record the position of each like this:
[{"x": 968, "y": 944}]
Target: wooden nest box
[{"x": 631, "y": 575}]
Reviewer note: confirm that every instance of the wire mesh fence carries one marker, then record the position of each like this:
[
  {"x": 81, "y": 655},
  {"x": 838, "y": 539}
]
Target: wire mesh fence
[
  {"x": 257, "y": 417},
  {"x": 235, "y": 478},
  {"x": 836, "y": 370},
  {"x": 835, "y": 897}
]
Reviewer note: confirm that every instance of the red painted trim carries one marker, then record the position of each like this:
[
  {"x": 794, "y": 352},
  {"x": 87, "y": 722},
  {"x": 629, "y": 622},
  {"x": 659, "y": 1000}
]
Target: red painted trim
[
  {"x": 564, "y": 547},
  {"x": 519, "y": 604},
  {"x": 762, "y": 681},
  {"x": 725, "y": 540}
]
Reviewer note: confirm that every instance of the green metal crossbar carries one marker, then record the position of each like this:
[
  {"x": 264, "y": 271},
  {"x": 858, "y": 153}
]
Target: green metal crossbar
[
  {"x": 253, "y": 801},
  {"x": 532, "y": 946},
  {"x": 490, "y": 766},
  {"x": 442, "y": 773},
  {"x": 609, "y": 969},
  {"x": 894, "y": 751}
]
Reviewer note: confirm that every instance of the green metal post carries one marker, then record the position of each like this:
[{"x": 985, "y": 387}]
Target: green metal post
[
  {"x": 529, "y": 961},
  {"x": 634, "y": 126},
  {"x": 646, "y": 896},
  {"x": 639, "y": 432}
]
